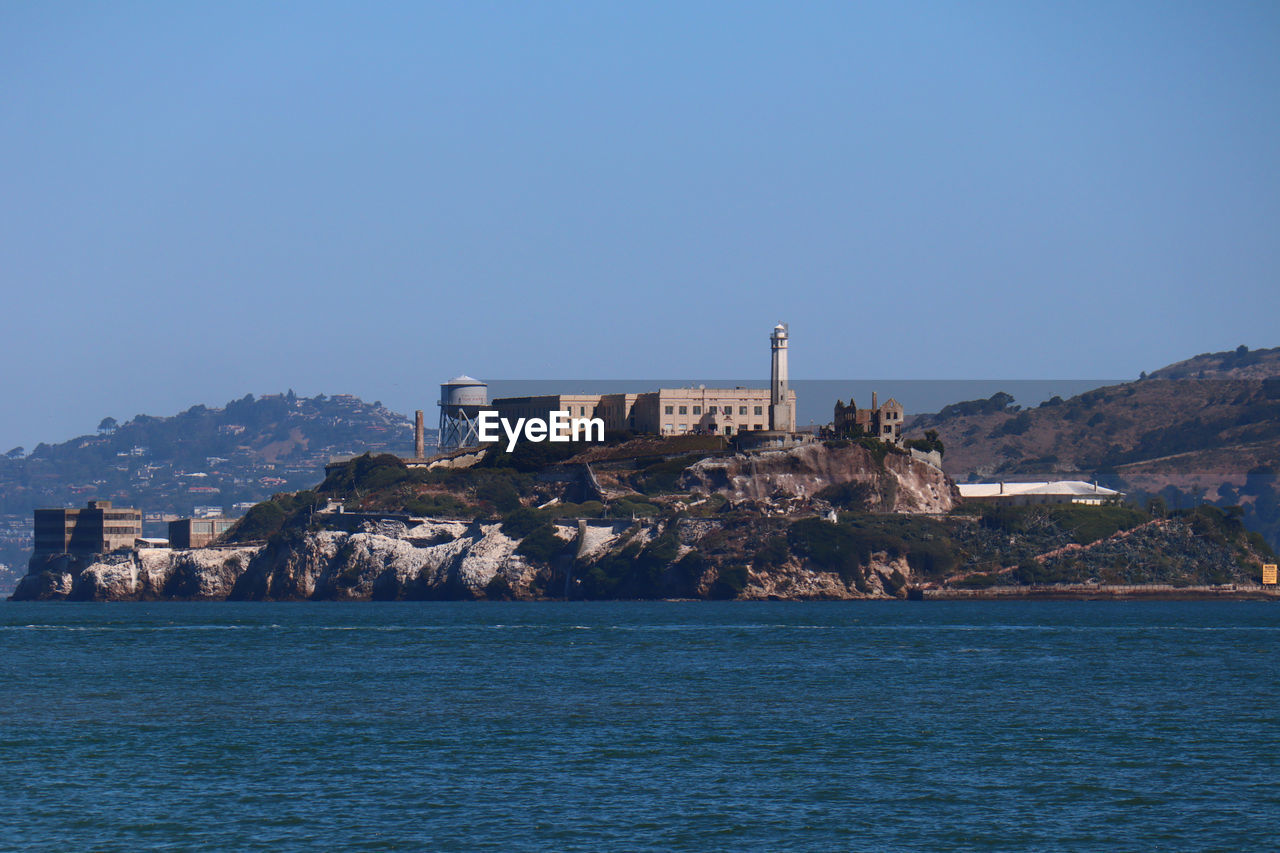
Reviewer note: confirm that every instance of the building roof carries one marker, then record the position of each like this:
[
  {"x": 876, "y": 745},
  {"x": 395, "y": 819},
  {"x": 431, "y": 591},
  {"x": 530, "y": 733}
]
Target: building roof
[{"x": 1057, "y": 487}]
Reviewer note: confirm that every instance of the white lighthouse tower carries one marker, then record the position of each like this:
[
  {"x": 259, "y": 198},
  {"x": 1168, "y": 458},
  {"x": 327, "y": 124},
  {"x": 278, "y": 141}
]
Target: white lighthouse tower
[{"x": 780, "y": 399}]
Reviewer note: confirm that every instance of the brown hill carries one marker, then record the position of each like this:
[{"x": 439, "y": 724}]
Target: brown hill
[
  {"x": 1203, "y": 430},
  {"x": 1240, "y": 363}
]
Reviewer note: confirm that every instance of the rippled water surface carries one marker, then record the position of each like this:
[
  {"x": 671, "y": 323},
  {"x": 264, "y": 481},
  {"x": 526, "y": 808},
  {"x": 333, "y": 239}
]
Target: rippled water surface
[{"x": 662, "y": 726}]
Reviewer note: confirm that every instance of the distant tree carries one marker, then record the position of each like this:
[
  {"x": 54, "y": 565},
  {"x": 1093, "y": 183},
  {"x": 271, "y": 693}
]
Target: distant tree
[
  {"x": 16, "y": 453},
  {"x": 1142, "y": 375},
  {"x": 108, "y": 425},
  {"x": 1242, "y": 350},
  {"x": 1156, "y": 507}
]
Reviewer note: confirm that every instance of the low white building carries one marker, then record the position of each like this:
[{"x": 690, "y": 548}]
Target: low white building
[{"x": 1025, "y": 494}]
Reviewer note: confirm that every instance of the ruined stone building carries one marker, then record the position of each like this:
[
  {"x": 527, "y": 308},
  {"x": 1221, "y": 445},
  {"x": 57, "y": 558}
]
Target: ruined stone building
[{"x": 882, "y": 421}]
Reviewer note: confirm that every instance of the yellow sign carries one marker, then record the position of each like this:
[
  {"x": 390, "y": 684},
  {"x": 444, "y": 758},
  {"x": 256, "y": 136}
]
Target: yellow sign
[{"x": 1269, "y": 573}]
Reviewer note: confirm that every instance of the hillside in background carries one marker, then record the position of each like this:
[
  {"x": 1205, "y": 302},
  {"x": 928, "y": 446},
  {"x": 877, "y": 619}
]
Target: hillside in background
[
  {"x": 215, "y": 458},
  {"x": 1205, "y": 430},
  {"x": 1240, "y": 363}
]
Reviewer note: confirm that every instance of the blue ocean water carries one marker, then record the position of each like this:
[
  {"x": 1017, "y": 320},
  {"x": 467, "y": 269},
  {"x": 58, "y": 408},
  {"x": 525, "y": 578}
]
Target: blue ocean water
[{"x": 641, "y": 726}]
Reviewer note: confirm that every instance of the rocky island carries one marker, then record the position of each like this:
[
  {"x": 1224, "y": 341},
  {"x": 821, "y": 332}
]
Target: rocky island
[{"x": 683, "y": 517}]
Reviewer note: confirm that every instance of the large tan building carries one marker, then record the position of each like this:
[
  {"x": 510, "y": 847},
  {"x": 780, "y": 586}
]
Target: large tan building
[
  {"x": 712, "y": 411},
  {"x": 667, "y": 411},
  {"x": 677, "y": 411},
  {"x": 96, "y": 529}
]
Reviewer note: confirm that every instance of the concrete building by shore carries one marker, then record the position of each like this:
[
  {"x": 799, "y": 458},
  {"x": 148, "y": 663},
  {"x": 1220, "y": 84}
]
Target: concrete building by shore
[
  {"x": 197, "y": 532},
  {"x": 98, "y": 528}
]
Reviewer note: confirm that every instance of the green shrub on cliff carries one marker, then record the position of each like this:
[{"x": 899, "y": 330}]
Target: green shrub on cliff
[
  {"x": 1083, "y": 524},
  {"x": 541, "y": 543},
  {"x": 662, "y": 477},
  {"x": 519, "y": 523},
  {"x": 1090, "y": 523},
  {"x": 928, "y": 444},
  {"x": 530, "y": 457},
  {"x": 852, "y": 496},
  {"x": 932, "y": 559},
  {"x": 365, "y": 474},
  {"x": 832, "y": 547},
  {"x": 773, "y": 554},
  {"x": 628, "y": 508},
  {"x": 262, "y": 520},
  {"x": 269, "y": 518},
  {"x": 634, "y": 572},
  {"x": 730, "y": 582},
  {"x": 439, "y": 506}
]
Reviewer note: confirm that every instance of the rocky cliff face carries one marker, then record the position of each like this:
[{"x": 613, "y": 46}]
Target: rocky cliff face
[
  {"x": 150, "y": 574},
  {"x": 454, "y": 560},
  {"x": 897, "y": 482},
  {"x": 433, "y": 559}
]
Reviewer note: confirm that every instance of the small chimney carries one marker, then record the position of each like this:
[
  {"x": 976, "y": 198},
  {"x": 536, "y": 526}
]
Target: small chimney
[
  {"x": 419, "y": 437},
  {"x": 874, "y": 405}
]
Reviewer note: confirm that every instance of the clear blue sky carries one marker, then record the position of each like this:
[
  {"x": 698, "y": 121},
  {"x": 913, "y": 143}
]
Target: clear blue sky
[{"x": 203, "y": 200}]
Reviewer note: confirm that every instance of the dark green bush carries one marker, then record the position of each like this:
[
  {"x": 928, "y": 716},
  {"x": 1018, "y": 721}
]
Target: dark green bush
[
  {"x": 260, "y": 521},
  {"x": 831, "y": 546},
  {"x": 626, "y": 507},
  {"x": 635, "y": 572},
  {"x": 520, "y": 522},
  {"x": 852, "y": 496},
  {"x": 931, "y": 559},
  {"x": 439, "y": 506},
  {"x": 662, "y": 477},
  {"x": 541, "y": 543},
  {"x": 730, "y": 582},
  {"x": 530, "y": 457},
  {"x": 774, "y": 553},
  {"x": 367, "y": 473},
  {"x": 499, "y": 492},
  {"x": 1090, "y": 523}
]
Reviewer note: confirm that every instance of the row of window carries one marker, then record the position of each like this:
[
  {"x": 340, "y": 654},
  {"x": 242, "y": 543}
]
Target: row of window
[
  {"x": 711, "y": 410},
  {"x": 683, "y": 428}
]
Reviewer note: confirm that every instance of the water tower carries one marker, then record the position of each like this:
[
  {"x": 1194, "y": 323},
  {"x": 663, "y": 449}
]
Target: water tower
[{"x": 461, "y": 400}]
